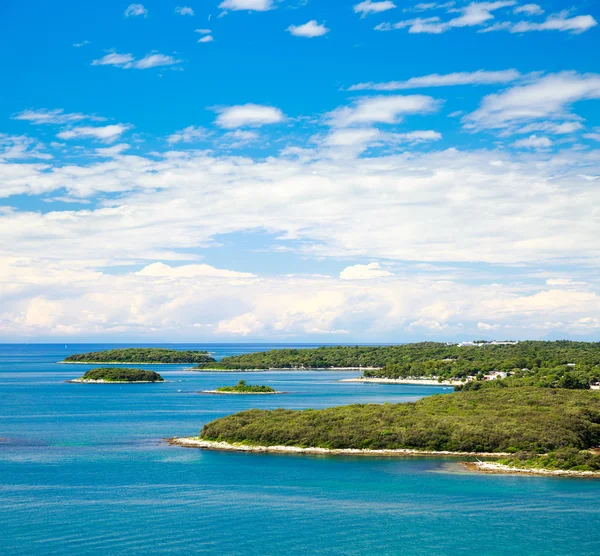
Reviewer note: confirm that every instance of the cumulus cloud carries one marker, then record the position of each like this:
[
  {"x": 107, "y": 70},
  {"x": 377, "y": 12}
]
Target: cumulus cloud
[
  {"x": 161, "y": 270},
  {"x": 106, "y": 133},
  {"x": 480, "y": 77},
  {"x": 308, "y": 30},
  {"x": 557, "y": 22},
  {"x": 369, "y": 7},
  {"x": 249, "y": 5},
  {"x": 134, "y": 10},
  {"x": 381, "y": 109},
  {"x": 127, "y": 61},
  {"x": 252, "y": 115},
  {"x": 549, "y": 97},
  {"x": 364, "y": 272},
  {"x": 533, "y": 142},
  {"x": 184, "y": 10},
  {"x": 206, "y": 38}
]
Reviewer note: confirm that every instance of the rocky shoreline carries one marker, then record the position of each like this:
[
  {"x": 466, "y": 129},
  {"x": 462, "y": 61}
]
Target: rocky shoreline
[
  {"x": 196, "y": 442},
  {"x": 419, "y": 381},
  {"x": 501, "y": 469},
  {"x": 89, "y": 381},
  {"x": 240, "y": 393}
]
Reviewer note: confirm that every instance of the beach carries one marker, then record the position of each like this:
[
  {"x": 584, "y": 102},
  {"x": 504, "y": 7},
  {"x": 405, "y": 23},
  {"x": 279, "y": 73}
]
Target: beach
[
  {"x": 500, "y": 469},
  {"x": 240, "y": 393},
  {"x": 421, "y": 381},
  {"x": 196, "y": 442}
]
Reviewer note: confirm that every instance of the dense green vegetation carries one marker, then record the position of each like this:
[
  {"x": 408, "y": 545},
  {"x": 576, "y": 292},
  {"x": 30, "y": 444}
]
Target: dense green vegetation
[
  {"x": 244, "y": 388},
  {"x": 567, "y": 458},
  {"x": 121, "y": 374},
  {"x": 513, "y": 420},
  {"x": 551, "y": 364},
  {"x": 141, "y": 355}
]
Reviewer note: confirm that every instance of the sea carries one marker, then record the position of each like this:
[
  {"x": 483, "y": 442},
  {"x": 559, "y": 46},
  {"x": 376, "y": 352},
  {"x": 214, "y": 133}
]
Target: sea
[{"x": 84, "y": 470}]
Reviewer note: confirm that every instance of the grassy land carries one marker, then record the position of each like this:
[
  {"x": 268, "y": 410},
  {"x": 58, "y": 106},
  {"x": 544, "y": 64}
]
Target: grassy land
[
  {"x": 560, "y": 364},
  {"x": 566, "y": 459},
  {"x": 243, "y": 388},
  {"x": 528, "y": 419},
  {"x": 120, "y": 374},
  {"x": 141, "y": 356}
]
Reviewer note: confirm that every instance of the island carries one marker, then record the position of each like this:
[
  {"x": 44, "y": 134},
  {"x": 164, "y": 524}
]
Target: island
[
  {"x": 142, "y": 356},
  {"x": 243, "y": 388},
  {"x": 118, "y": 375},
  {"x": 522, "y": 427},
  {"x": 560, "y": 364}
]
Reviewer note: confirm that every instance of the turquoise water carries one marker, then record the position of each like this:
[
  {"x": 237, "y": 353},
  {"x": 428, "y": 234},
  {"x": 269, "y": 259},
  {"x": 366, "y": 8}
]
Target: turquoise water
[{"x": 83, "y": 471}]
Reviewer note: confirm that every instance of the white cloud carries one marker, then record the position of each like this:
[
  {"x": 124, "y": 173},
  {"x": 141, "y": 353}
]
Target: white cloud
[
  {"x": 563, "y": 282},
  {"x": 480, "y": 77},
  {"x": 362, "y": 138},
  {"x": 533, "y": 142},
  {"x": 548, "y": 97},
  {"x": 161, "y": 270},
  {"x": 134, "y": 10},
  {"x": 381, "y": 109},
  {"x": 56, "y": 117},
  {"x": 188, "y": 135},
  {"x": 364, "y": 272},
  {"x": 557, "y": 22},
  {"x": 106, "y": 133},
  {"x": 473, "y": 14},
  {"x": 206, "y": 38},
  {"x": 110, "y": 152},
  {"x": 528, "y": 9},
  {"x": 82, "y": 43},
  {"x": 184, "y": 10},
  {"x": 309, "y": 30},
  {"x": 253, "y": 115},
  {"x": 551, "y": 127},
  {"x": 370, "y": 7},
  {"x": 485, "y": 326},
  {"x": 127, "y": 61},
  {"x": 249, "y": 5},
  {"x": 593, "y": 136},
  {"x": 203, "y": 31},
  {"x": 239, "y": 138}
]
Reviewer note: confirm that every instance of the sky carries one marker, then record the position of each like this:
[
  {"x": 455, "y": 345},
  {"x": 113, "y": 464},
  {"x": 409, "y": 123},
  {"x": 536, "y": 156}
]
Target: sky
[{"x": 299, "y": 171}]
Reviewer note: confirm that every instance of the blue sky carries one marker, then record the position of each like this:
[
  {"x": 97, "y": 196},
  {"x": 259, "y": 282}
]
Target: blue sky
[{"x": 299, "y": 170}]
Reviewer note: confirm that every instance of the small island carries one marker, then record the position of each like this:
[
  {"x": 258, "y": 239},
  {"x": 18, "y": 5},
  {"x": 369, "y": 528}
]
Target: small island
[
  {"x": 118, "y": 375},
  {"x": 243, "y": 388},
  {"x": 142, "y": 356},
  {"x": 525, "y": 429}
]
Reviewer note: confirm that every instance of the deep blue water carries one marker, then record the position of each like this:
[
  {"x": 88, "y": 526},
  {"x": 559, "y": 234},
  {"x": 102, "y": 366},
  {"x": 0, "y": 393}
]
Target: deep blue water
[{"x": 83, "y": 471}]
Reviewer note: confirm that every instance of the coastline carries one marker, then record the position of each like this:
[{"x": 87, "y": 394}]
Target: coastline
[
  {"x": 197, "y": 442},
  {"x": 101, "y": 381},
  {"x": 114, "y": 363},
  {"x": 240, "y": 393},
  {"x": 493, "y": 468},
  {"x": 285, "y": 369},
  {"x": 423, "y": 381}
]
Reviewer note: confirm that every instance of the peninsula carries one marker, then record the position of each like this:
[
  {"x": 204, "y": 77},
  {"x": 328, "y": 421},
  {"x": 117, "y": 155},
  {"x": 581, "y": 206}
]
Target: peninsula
[
  {"x": 108, "y": 375},
  {"x": 142, "y": 356},
  {"x": 561, "y": 364},
  {"x": 243, "y": 388},
  {"x": 528, "y": 427}
]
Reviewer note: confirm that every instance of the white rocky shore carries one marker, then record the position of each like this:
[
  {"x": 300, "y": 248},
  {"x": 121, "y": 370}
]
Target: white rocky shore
[
  {"x": 499, "y": 468},
  {"x": 196, "y": 442},
  {"x": 241, "y": 393},
  {"x": 102, "y": 381},
  {"x": 420, "y": 381}
]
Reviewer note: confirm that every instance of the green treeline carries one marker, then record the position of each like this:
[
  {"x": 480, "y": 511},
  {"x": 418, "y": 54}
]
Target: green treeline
[
  {"x": 121, "y": 374},
  {"x": 566, "y": 458},
  {"x": 551, "y": 364},
  {"x": 141, "y": 355},
  {"x": 242, "y": 387},
  {"x": 527, "y": 419}
]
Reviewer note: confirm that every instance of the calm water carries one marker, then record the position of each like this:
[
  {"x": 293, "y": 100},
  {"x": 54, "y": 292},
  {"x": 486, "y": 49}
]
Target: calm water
[{"x": 83, "y": 471}]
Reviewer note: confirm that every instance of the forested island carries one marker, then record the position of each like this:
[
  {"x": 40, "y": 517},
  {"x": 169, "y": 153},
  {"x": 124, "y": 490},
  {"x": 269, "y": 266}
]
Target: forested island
[
  {"x": 526, "y": 426},
  {"x": 561, "y": 364},
  {"x": 243, "y": 388},
  {"x": 141, "y": 356},
  {"x": 119, "y": 375}
]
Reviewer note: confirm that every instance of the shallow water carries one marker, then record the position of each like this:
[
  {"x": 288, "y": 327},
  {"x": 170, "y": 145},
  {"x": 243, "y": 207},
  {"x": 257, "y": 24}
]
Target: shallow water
[{"x": 83, "y": 471}]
